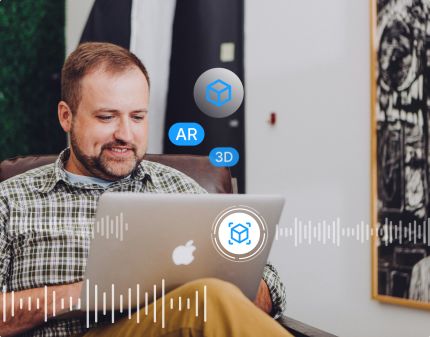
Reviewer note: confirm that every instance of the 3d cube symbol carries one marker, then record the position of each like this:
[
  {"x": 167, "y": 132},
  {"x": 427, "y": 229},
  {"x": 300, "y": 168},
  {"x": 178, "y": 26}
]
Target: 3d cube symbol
[
  {"x": 239, "y": 233},
  {"x": 218, "y": 92}
]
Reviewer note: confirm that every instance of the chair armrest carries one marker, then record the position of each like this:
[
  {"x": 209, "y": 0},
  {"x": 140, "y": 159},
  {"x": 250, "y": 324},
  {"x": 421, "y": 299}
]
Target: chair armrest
[{"x": 299, "y": 329}]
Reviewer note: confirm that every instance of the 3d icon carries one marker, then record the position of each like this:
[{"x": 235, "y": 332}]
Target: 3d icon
[
  {"x": 183, "y": 254},
  {"x": 239, "y": 233},
  {"x": 218, "y": 92},
  {"x": 224, "y": 156}
]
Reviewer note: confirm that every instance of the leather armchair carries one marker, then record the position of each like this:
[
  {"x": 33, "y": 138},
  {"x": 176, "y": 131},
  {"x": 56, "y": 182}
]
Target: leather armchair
[{"x": 213, "y": 179}]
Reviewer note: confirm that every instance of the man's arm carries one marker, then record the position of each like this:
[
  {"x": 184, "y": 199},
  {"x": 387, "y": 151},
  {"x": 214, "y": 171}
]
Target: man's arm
[
  {"x": 271, "y": 292},
  {"x": 276, "y": 289},
  {"x": 263, "y": 299},
  {"x": 25, "y": 319}
]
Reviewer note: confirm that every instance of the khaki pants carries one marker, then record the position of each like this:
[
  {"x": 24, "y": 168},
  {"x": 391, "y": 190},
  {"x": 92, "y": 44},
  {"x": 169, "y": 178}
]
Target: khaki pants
[{"x": 229, "y": 314}]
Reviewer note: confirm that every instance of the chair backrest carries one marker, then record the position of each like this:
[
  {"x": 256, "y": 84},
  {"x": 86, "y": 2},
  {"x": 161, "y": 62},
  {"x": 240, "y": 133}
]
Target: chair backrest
[{"x": 213, "y": 179}]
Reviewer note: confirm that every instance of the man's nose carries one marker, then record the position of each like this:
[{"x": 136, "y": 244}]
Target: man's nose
[{"x": 123, "y": 131}]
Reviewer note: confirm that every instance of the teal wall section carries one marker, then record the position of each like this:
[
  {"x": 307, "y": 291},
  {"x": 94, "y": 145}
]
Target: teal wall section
[{"x": 32, "y": 48}]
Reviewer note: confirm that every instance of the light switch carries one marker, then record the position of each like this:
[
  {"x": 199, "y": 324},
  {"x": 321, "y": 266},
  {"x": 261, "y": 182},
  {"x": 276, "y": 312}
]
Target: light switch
[{"x": 227, "y": 52}]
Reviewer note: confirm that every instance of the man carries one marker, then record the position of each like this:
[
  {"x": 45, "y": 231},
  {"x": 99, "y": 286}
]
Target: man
[{"x": 46, "y": 214}]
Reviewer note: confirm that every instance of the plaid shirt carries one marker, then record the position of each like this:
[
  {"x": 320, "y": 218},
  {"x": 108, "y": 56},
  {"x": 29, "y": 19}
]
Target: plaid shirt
[{"x": 46, "y": 223}]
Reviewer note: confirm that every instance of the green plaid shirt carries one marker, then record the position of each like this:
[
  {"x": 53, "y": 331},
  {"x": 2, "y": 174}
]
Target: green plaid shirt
[{"x": 46, "y": 223}]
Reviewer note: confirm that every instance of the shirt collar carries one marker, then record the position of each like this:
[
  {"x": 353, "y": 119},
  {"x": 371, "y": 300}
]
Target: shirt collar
[{"x": 140, "y": 173}]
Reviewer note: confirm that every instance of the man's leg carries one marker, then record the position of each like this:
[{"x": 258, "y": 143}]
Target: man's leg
[{"x": 229, "y": 313}]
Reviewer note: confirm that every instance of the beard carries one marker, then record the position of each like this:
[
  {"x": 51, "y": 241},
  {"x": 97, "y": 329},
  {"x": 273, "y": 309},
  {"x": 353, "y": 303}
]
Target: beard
[{"x": 102, "y": 166}]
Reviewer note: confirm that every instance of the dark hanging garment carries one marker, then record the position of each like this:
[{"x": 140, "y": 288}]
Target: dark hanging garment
[
  {"x": 200, "y": 28},
  {"x": 109, "y": 21}
]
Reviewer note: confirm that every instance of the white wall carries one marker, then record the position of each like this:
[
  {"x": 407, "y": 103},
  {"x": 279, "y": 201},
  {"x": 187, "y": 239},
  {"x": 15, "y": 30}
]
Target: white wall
[
  {"x": 77, "y": 12},
  {"x": 309, "y": 62}
]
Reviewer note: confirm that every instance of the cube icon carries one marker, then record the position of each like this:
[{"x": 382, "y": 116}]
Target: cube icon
[
  {"x": 239, "y": 233},
  {"x": 218, "y": 92}
]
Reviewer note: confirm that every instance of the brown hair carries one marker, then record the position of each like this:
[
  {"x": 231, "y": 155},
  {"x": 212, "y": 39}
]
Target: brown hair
[{"x": 90, "y": 56}]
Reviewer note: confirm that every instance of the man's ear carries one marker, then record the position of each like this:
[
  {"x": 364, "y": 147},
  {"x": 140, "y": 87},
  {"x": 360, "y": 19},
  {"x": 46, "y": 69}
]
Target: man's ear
[{"x": 65, "y": 116}]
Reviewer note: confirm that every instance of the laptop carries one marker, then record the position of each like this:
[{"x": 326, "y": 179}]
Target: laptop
[{"x": 145, "y": 245}]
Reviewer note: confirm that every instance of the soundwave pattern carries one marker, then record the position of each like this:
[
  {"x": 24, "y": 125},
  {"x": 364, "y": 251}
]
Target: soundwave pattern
[
  {"x": 111, "y": 227},
  {"x": 125, "y": 304},
  {"x": 334, "y": 234}
]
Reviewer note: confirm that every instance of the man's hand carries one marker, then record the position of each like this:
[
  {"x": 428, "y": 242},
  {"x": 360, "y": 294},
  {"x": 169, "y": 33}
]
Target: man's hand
[{"x": 263, "y": 299}]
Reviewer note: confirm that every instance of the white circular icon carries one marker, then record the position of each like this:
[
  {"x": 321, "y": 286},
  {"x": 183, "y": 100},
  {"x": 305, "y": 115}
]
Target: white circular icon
[
  {"x": 218, "y": 92},
  {"x": 239, "y": 233}
]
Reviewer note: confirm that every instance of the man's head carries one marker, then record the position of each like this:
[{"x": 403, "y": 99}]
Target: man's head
[{"x": 105, "y": 96}]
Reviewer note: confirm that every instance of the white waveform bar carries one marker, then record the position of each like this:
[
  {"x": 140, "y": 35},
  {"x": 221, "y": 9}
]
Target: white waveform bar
[
  {"x": 129, "y": 303},
  {"x": 4, "y": 303},
  {"x": 113, "y": 303},
  {"x": 163, "y": 304},
  {"x": 53, "y": 303},
  {"x": 197, "y": 303},
  {"x": 333, "y": 233},
  {"x": 96, "y": 302},
  {"x": 155, "y": 303},
  {"x": 205, "y": 301},
  {"x": 46, "y": 302},
  {"x": 88, "y": 302},
  {"x": 146, "y": 303},
  {"x": 138, "y": 302}
]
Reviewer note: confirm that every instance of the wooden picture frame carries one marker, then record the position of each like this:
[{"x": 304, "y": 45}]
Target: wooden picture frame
[{"x": 400, "y": 151}]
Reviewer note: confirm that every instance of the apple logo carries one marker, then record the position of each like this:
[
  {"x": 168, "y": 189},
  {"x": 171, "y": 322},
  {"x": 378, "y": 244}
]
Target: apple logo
[{"x": 184, "y": 254}]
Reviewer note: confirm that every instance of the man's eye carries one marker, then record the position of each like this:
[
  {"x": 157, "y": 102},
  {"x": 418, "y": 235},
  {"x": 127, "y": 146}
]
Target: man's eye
[
  {"x": 104, "y": 118},
  {"x": 139, "y": 118}
]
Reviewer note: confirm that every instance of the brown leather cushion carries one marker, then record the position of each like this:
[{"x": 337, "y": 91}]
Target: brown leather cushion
[{"x": 213, "y": 179}]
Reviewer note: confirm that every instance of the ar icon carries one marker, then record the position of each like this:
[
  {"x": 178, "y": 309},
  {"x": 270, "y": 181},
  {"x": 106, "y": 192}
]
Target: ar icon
[{"x": 186, "y": 134}]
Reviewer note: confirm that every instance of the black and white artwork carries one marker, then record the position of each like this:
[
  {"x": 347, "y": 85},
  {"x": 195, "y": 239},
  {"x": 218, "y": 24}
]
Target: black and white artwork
[{"x": 401, "y": 206}]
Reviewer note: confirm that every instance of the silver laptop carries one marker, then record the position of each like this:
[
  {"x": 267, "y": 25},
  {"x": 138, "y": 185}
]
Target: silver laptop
[{"x": 145, "y": 245}]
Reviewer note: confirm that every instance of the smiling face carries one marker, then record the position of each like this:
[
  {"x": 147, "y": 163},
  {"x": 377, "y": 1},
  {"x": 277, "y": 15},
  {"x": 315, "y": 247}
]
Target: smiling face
[{"x": 108, "y": 132}]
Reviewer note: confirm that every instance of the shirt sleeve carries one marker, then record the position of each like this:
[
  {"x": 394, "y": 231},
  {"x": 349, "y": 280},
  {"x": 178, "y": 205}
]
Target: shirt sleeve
[
  {"x": 5, "y": 255},
  {"x": 276, "y": 289},
  {"x": 191, "y": 186}
]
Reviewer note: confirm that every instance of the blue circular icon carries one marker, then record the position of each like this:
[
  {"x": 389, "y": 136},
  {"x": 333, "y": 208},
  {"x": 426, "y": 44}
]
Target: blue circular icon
[
  {"x": 224, "y": 156},
  {"x": 218, "y": 92},
  {"x": 186, "y": 134}
]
